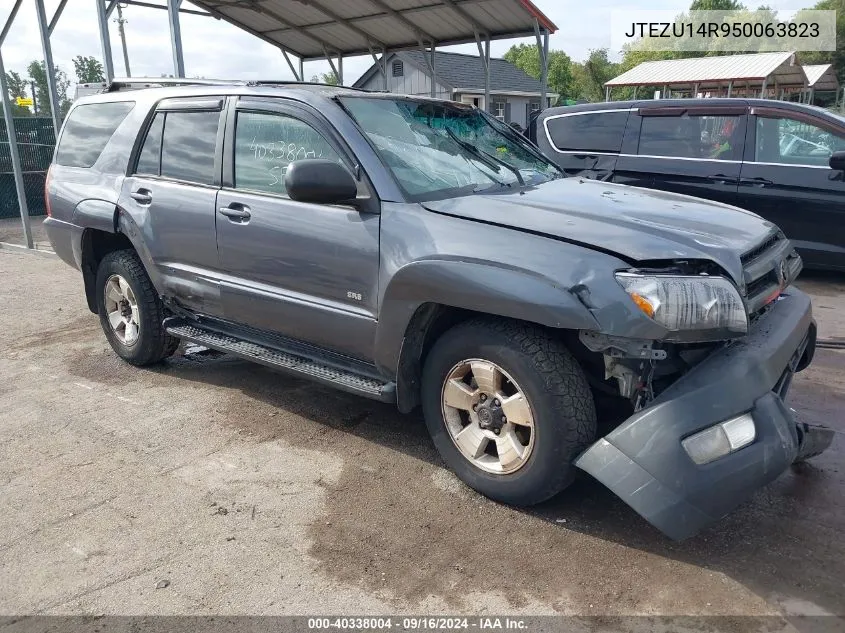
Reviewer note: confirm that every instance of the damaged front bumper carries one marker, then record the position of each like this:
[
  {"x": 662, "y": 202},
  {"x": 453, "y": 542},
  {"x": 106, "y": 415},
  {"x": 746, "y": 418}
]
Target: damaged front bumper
[{"x": 643, "y": 462}]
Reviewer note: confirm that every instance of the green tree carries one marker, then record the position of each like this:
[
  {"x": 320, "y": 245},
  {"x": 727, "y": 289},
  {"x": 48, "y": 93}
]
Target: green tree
[
  {"x": 527, "y": 58},
  {"x": 837, "y": 57},
  {"x": 88, "y": 69},
  {"x": 716, "y": 5},
  {"x": 18, "y": 87},
  {"x": 589, "y": 78},
  {"x": 325, "y": 78},
  {"x": 39, "y": 76}
]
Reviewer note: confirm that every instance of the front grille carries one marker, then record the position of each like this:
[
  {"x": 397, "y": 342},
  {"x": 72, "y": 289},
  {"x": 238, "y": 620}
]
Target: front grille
[
  {"x": 766, "y": 269},
  {"x": 758, "y": 250}
]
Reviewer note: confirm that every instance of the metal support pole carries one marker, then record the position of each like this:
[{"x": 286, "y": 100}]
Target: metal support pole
[
  {"x": 433, "y": 70},
  {"x": 763, "y": 89},
  {"x": 607, "y": 93},
  {"x": 302, "y": 69},
  {"x": 730, "y": 87},
  {"x": 543, "y": 52},
  {"x": 487, "y": 104},
  {"x": 384, "y": 69},
  {"x": 49, "y": 68},
  {"x": 290, "y": 65},
  {"x": 122, "y": 32},
  {"x": 56, "y": 16},
  {"x": 340, "y": 69},
  {"x": 695, "y": 91},
  {"x": 379, "y": 64},
  {"x": 105, "y": 40},
  {"x": 176, "y": 37},
  {"x": 16, "y": 158},
  {"x": 331, "y": 64},
  {"x": 545, "y": 77}
]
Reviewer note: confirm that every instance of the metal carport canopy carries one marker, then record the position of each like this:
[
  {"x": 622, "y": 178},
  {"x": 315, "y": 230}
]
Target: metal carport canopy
[{"x": 315, "y": 29}]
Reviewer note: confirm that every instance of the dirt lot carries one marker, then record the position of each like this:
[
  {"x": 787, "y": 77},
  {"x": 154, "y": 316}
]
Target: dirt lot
[{"x": 212, "y": 486}]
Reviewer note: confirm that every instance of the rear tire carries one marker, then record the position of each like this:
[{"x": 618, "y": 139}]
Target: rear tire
[
  {"x": 130, "y": 310},
  {"x": 529, "y": 362}
]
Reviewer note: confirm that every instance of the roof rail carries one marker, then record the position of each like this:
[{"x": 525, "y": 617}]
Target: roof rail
[
  {"x": 293, "y": 82},
  {"x": 137, "y": 83}
]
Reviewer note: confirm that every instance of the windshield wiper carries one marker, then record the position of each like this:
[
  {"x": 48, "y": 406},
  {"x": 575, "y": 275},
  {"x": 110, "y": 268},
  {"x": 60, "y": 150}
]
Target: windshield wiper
[
  {"x": 485, "y": 156},
  {"x": 519, "y": 139}
]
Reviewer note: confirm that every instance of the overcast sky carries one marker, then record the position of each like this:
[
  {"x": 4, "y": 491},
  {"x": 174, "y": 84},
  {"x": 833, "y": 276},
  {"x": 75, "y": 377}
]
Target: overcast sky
[{"x": 213, "y": 48}]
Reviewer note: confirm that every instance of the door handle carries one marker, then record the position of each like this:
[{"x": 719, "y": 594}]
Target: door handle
[
  {"x": 238, "y": 214},
  {"x": 142, "y": 196},
  {"x": 720, "y": 179},
  {"x": 756, "y": 182}
]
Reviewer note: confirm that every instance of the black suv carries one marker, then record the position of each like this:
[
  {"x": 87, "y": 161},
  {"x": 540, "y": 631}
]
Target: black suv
[
  {"x": 784, "y": 161},
  {"x": 419, "y": 252}
]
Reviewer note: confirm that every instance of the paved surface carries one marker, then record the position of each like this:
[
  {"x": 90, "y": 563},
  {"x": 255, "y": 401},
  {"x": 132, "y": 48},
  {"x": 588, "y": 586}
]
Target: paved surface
[{"x": 248, "y": 492}]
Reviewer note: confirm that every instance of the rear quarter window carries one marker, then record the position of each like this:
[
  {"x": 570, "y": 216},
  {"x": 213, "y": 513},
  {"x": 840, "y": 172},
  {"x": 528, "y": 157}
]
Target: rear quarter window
[
  {"x": 596, "y": 132},
  {"x": 88, "y": 130}
]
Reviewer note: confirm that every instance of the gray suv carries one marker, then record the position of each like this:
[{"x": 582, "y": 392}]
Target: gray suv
[{"x": 421, "y": 253}]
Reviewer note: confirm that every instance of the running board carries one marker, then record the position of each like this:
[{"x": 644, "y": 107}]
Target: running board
[{"x": 285, "y": 361}]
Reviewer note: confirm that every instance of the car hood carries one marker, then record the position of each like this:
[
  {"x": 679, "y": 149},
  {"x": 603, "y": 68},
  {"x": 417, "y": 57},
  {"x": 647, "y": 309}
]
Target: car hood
[{"x": 635, "y": 224}]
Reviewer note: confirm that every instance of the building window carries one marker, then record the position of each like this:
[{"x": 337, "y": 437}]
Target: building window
[
  {"x": 398, "y": 69},
  {"x": 499, "y": 110}
]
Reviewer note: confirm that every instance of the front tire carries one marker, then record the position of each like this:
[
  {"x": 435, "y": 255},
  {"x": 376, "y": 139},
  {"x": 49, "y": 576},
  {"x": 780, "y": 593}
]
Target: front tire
[
  {"x": 130, "y": 310},
  {"x": 508, "y": 408}
]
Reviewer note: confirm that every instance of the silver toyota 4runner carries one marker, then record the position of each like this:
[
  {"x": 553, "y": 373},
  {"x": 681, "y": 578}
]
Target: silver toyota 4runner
[{"x": 420, "y": 252}]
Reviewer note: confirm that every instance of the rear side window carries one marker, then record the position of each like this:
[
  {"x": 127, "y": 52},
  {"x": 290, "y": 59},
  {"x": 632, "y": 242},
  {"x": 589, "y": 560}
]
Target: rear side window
[
  {"x": 88, "y": 130},
  {"x": 187, "y": 146},
  {"x": 149, "y": 161},
  {"x": 599, "y": 132},
  {"x": 705, "y": 136}
]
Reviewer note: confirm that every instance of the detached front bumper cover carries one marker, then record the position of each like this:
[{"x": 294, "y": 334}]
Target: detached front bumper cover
[{"x": 643, "y": 462}]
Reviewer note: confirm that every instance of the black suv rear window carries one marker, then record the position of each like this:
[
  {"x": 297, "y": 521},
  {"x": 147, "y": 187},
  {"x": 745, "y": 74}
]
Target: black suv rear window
[
  {"x": 596, "y": 132},
  {"x": 88, "y": 130}
]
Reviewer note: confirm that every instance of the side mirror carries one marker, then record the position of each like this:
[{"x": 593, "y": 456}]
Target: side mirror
[
  {"x": 837, "y": 161},
  {"x": 321, "y": 181}
]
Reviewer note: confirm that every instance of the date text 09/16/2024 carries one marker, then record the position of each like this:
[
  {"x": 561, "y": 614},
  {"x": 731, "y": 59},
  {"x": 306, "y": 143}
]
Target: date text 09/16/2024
[{"x": 418, "y": 623}]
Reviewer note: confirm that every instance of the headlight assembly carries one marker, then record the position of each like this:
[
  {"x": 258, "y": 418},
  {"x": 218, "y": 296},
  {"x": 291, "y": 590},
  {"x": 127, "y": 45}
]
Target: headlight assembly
[{"x": 692, "y": 308}]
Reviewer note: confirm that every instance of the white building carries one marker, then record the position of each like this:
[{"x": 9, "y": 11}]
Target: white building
[{"x": 513, "y": 93}]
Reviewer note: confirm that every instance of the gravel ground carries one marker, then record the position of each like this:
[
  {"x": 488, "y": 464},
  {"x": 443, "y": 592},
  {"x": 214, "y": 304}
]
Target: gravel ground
[
  {"x": 209, "y": 485},
  {"x": 11, "y": 231}
]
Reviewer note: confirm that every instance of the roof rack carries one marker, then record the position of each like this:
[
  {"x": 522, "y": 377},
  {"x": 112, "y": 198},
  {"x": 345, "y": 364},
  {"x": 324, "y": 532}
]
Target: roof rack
[
  {"x": 138, "y": 83},
  {"x": 292, "y": 82}
]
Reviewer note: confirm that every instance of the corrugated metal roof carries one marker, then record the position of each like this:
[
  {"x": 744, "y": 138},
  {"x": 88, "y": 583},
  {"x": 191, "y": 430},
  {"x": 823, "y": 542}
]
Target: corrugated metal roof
[
  {"x": 704, "y": 69},
  {"x": 310, "y": 28},
  {"x": 821, "y": 76},
  {"x": 458, "y": 70}
]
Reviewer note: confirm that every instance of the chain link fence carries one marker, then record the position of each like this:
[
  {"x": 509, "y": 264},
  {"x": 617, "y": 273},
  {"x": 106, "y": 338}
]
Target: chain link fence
[{"x": 36, "y": 140}]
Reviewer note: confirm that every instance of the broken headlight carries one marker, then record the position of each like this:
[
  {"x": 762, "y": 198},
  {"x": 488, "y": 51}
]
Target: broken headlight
[{"x": 692, "y": 308}]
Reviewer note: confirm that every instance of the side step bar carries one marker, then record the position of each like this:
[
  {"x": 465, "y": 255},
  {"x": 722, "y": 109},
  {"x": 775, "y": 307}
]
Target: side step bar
[{"x": 286, "y": 361}]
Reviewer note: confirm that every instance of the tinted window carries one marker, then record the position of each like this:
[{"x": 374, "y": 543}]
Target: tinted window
[
  {"x": 88, "y": 130},
  {"x": 705, "y": 136},
  {"x": 149, "y": 161},
  {"x": 187, "y": 151},
  {"x": 265, "y": 144},
  {"x": 793, "y": 142},
  {"x": 600, "y": 132}
]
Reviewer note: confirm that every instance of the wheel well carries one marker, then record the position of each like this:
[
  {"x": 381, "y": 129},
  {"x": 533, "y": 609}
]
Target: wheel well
[
  {"x": 97, "y": 244},
  {"x": 431, "y": 320}
]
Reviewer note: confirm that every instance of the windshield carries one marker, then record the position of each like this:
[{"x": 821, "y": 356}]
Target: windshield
[{"x": 436, "y": 149}]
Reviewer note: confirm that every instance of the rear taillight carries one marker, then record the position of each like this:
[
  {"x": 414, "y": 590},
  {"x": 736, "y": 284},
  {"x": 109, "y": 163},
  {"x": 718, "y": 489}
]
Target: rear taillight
[{"x": 47, "y": 192}]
